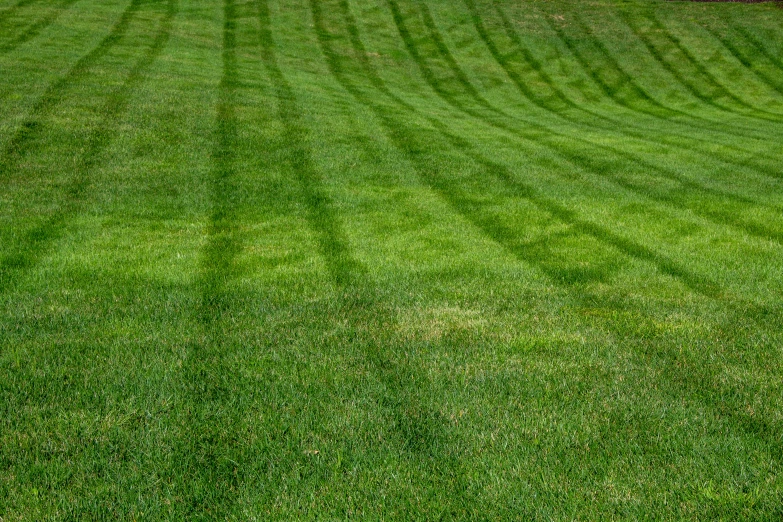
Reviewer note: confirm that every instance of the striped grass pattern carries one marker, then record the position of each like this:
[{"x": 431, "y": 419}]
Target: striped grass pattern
[{"x": 391, "y": 259}]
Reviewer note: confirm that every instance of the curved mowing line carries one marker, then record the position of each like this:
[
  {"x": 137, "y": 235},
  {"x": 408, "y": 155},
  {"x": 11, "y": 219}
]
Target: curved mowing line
[
  {"x": 599, "y": 169},
  {"x": 443, "y": 50},
  {"x": 611, "y": 91},
  {"x": 691, "y": 87},
  {"x": 407, "y": 141},
  {"x": 413, "y": 146},
  {"x": 777, "y": 117},
  {"x": 723, "y": 217},
  {"x": 719, "y": 90},
  {"x": 704, "y": 286},
  {"x": 21, "y": 140},
  {"x": 586, "y": 162},
  {"x": 321, "y": 215},
  {"x": 698, "y": 284},
  {"x": 35, "y": 29},
  {"x": 760, "y": 48},
  {"x": 775, "y": 84},
  {"x": 640, "y": 94},
  {"x": 503, "y": 62},
  {"x": 360, "y": 298},
  {"x": 655, "y": 107},
  {"x": 32, "y": 246}
]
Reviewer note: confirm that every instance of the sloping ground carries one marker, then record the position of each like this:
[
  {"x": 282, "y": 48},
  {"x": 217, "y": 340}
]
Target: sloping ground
[{"x": 390, "y": 259}]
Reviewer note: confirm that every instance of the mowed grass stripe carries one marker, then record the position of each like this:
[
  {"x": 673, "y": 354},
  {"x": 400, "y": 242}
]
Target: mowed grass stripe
[
  {"x": 22, "y": 138},
  {"x": 35, "y": 28},
  {"x": 663, "y": 46},
  {"x": 618, "y": 85},
  {"x": 672, "y": 175},
  {"x": 414, "y": 146},
  {"x": 749, "y": 60},
  {"x": 623, "y": 90},
  {"x": 210, "y": 448},
  {"x": 329, "y": 260},
  {"x": 694, "y": 384},
  {"x": 760, "y": 48},
  {"x": 449, "y": 90},
  {"x": 721, "y": 67},
  {"x": 749, "y": 310},
  {"x": 462, "y": 146},
  {"x": 608, "y": 125},
  {"x": 10, "y": 11},
  {"x": 710, "y": 154},
  {"x": 766, "y": 170},
  {"x": 321, "y": 215},
  {"x": 35, "y": 242},
  {"x": 420, "y": 430}
]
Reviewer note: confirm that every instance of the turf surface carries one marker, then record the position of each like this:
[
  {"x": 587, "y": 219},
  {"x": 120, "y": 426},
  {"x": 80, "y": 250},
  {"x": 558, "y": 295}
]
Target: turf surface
[{"x": 390, "y": 259}]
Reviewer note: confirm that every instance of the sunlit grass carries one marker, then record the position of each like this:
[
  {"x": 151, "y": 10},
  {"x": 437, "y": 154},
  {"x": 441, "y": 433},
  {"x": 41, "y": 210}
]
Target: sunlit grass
[{"x": 393, "y": 259}]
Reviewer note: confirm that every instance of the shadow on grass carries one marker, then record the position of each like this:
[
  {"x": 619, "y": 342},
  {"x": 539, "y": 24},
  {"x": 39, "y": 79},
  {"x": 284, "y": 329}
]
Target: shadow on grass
[{"x": 420, "y": 429}]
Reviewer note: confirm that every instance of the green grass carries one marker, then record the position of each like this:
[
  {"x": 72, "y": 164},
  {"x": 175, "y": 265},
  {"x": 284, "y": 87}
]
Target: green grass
[{"x": 391, "y": 259}]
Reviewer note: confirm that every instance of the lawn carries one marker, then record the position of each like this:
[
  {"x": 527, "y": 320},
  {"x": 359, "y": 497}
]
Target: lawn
[{"x": 391, "y": 260}]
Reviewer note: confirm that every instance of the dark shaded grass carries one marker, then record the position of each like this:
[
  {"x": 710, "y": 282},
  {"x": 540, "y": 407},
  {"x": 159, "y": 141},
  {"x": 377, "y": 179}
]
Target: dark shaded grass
[
  {"x": 75, "y": 416},
  {"x": 220, "y": 396},
  {"x": 219, "y": 457},
  {"x": 416, "y": 146},
  {"x": 321, "y": 215},
  {"x": 211, "y": 454},
  {"x": 760, "y": 48},
  {"x": 11, "y": 11}
]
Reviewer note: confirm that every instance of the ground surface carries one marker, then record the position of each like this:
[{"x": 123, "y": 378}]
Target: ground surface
[{"x": 390, "y": 259}]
